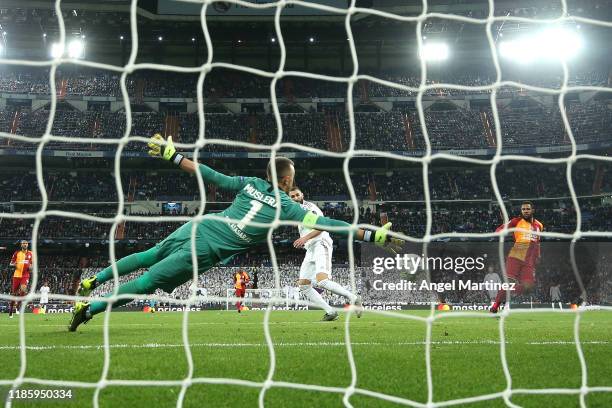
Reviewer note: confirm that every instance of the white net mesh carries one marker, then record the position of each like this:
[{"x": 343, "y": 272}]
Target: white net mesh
[{"x": 351, "y": 152}]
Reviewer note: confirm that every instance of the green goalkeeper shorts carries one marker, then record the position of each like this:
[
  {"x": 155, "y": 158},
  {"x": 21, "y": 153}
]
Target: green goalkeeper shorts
[
  {"x": 176, "y": 265},
  {"x": 175, "y": 241}
]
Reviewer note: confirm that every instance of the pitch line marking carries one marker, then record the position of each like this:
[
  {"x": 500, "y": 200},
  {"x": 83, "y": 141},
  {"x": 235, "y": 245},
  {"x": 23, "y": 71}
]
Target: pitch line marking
[{"x": 298, "y": 344}]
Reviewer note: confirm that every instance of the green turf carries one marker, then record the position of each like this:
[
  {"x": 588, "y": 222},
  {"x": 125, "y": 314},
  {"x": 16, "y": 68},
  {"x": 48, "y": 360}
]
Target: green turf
[{"x": 388, "y": 351}]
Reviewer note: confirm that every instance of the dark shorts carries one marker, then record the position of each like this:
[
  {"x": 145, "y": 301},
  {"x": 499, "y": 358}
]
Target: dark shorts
[
  {"x": 521, "y": 271},
  {"x": 240, "y": 292},
  {"x": 18, "y": 282}
]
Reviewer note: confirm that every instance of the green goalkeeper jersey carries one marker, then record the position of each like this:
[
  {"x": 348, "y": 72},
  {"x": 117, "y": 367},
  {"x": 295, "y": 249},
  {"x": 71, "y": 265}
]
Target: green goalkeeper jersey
[{"x": 254, "y": 203}]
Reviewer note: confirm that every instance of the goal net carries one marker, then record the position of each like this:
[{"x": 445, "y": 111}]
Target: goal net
[{"x": 277, "y": 296}]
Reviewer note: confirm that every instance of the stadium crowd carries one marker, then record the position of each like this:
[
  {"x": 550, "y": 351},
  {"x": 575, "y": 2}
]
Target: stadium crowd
[
  {"x": 448, "y": 127},
  {"x": 398, "y": 130},
  {"x": 408, "y": 220},
  {"x": 401, "y": 184},
  {"x": 225, "y": 83}
]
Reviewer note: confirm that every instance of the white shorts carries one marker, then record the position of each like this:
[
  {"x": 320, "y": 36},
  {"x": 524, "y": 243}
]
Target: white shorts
[
  {"x": 318, "y": 259},
  {"x": 44, "y": 300}
]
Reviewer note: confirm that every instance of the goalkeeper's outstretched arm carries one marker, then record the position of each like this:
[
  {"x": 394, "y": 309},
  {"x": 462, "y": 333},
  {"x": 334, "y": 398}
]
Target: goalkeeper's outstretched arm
[
  {"x": 165, "y": 150},
  {"x": 290, "y": 210},
  {"x": 293, "y": 211},
  {"x": 378, "y": 236}
]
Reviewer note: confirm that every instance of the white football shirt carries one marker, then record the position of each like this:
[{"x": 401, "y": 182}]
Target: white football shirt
[
  {"x": 324, "y": 236},
  {"x": 555, "y": 293},
  {"x": 44, "y": 294}
]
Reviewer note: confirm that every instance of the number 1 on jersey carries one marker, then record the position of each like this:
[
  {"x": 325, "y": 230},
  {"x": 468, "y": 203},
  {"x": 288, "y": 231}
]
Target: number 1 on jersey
[{"x": 255, "y": 207}]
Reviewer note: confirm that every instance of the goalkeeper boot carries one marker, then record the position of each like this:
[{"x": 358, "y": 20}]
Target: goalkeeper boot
[
  {"x": 330, "y": 317},
  {"x": 80, "y": 315},
  {"x": 358, "y": 306},
  {"x": 87, "y": 286}
]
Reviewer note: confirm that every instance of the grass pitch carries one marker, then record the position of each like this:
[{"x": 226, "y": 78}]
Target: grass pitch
[{"x": 389, "y": 355}]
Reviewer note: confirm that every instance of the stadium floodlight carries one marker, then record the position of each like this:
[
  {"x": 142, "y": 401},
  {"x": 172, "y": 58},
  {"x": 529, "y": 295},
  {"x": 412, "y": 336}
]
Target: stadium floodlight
[
  {"x": 435, "y": 51},
  {"x": 76, "y": 48},
  {"x": 559, "y": 43},
  {"x": 555, "y": 44},
  {"x": 520, "y": 50},
  {"x": 57, "y": 50}
]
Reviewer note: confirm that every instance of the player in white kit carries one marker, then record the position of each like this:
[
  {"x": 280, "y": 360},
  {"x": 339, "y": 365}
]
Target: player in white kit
[
  {"x": 555, "y": 295},
  {"x": 44, "y": 295},
  {"x": 316, "y": 267},
  {"x": 493, "y": 278}
]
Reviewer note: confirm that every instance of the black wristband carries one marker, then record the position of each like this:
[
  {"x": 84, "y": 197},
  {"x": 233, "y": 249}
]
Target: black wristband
[{"x": 177, "y": 158}]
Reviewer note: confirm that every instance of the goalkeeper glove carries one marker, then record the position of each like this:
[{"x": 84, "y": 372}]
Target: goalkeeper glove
[
  {"x": 164, "y": 149},
  {"x": 380, "y": 236},
  {"x": 381, "y": 239}
]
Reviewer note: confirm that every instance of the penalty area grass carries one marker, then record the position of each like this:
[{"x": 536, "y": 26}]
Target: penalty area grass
[{"x": 389, "y": 354}]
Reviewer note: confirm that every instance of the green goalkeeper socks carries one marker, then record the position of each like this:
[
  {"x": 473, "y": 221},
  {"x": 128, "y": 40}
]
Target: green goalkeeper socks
[
  {"x": 129, "y": 264},
  {"x": 140, "y": 286}
]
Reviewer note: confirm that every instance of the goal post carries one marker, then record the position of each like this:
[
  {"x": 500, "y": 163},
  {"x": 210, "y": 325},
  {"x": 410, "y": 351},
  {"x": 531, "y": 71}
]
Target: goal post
[{"x": 262, "y": 298}]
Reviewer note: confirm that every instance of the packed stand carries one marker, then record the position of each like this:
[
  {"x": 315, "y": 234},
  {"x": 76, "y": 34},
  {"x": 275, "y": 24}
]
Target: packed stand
[
  {"x": 224, "y": 83},
  {"x": 463, "y": 183},
  {"x": 410, "y": 220},
  {"x": 398, "y": 130}
]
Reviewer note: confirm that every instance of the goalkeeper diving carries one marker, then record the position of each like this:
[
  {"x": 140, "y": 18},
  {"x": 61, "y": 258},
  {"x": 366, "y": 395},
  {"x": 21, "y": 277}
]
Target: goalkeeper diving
[{"x": 169, "y": 262}]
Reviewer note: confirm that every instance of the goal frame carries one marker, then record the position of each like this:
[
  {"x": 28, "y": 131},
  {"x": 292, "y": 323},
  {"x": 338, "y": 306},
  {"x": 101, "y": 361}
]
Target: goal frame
[{"x": 281, "y": 294}]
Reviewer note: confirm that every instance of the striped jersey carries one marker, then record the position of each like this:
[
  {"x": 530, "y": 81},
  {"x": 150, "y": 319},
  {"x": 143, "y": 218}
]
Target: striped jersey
[
  {"x": 526, "y": 244},
  {"x": 241, "y": 278},
  {"x": 22, "y": 261}
]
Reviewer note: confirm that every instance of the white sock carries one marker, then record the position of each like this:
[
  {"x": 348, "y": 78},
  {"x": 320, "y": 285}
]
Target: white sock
[
  {"x": 553, "y": 305},
  {"x": 337, "y": 289},
  {"x": 315, "y": 297},
  {"x": 560, "y": 306}
]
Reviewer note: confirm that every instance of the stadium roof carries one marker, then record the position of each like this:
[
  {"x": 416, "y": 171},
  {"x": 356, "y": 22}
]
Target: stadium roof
[{"x": 32, "y": 27}]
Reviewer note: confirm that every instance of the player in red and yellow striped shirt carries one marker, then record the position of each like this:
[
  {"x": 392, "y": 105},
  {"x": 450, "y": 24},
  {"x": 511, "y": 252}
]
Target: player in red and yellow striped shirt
[
  {"x": 22, "y": 261},
  {"x": 241, "y": 278},
  {"x": 524, "y": 255}
]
